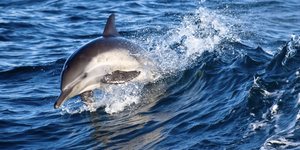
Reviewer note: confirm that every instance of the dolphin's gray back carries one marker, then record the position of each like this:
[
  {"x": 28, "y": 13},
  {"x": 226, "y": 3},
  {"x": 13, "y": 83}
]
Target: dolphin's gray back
[{"x": 102, "y": 45}]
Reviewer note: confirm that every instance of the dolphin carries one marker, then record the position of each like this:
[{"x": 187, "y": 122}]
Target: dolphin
[{"x": 107, "y": 60}]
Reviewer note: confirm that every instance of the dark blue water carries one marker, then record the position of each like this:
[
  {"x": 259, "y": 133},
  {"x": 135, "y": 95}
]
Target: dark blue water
[{"x": 223, "y": 85}]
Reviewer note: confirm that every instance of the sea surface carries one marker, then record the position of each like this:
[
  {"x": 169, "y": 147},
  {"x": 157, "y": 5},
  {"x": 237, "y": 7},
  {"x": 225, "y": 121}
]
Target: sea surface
[{"x": 230, "y": 75}]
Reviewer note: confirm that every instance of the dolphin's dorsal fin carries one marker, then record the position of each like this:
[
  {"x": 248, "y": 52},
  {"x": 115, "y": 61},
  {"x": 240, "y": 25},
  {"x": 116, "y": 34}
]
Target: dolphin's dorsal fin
[{"x": 110, "y": 28}]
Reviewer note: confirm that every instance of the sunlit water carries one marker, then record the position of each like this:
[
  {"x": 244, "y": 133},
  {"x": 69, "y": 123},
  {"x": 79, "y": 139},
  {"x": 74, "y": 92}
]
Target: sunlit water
[{"x": 225, "y": 81}]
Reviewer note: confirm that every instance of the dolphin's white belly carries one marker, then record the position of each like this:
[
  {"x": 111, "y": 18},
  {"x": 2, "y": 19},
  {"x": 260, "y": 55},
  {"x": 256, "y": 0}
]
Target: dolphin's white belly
[{"x": 113, "y": 60}]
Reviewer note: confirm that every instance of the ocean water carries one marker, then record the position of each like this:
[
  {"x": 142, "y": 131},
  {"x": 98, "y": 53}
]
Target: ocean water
[{"x": 225, "y": 81}]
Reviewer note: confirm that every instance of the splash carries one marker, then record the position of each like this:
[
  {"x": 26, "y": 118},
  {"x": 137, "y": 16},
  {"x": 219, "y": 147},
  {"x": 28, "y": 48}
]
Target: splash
[
  {"x": 114, "y": 98},
  {"x": 180, "y": 48}
]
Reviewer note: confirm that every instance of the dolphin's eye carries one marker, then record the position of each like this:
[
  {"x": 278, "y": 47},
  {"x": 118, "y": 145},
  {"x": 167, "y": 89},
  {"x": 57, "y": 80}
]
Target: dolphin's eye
[
  {"x": 84, "y": 75},
  {"x": 67, "y": 66}
]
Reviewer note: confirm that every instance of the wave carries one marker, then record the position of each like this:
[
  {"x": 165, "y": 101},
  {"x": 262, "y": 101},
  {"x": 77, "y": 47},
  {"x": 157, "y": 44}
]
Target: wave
[
  {"x": 273, "y": 102},
  {"x": 26, "y": 72}
]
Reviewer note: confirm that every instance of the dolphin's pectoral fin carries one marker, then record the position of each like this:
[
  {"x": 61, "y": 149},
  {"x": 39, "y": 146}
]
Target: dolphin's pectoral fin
[
  {"x": 119, "y": 77},
  {"x": 87, "y": 97}
]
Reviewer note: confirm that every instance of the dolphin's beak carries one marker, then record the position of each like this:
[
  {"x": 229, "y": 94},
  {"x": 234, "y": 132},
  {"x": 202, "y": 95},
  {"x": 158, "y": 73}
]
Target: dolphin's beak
[{"x": 64, "y": 96}]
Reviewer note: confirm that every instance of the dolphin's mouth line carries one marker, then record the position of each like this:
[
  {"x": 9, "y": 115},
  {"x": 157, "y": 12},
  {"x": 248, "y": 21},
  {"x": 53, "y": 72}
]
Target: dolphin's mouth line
[
  {"x": 73, "y": 83},
  {"x": 65, "y": 94},
  {"x": 62, "y": 98}
]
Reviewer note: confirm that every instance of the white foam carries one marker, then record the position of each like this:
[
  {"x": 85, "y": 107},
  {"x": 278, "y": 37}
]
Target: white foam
[
  {"x": 196, "y": 34},
  {"x": 283, "y": 142},
  {"x": 257, "y": 125}
]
